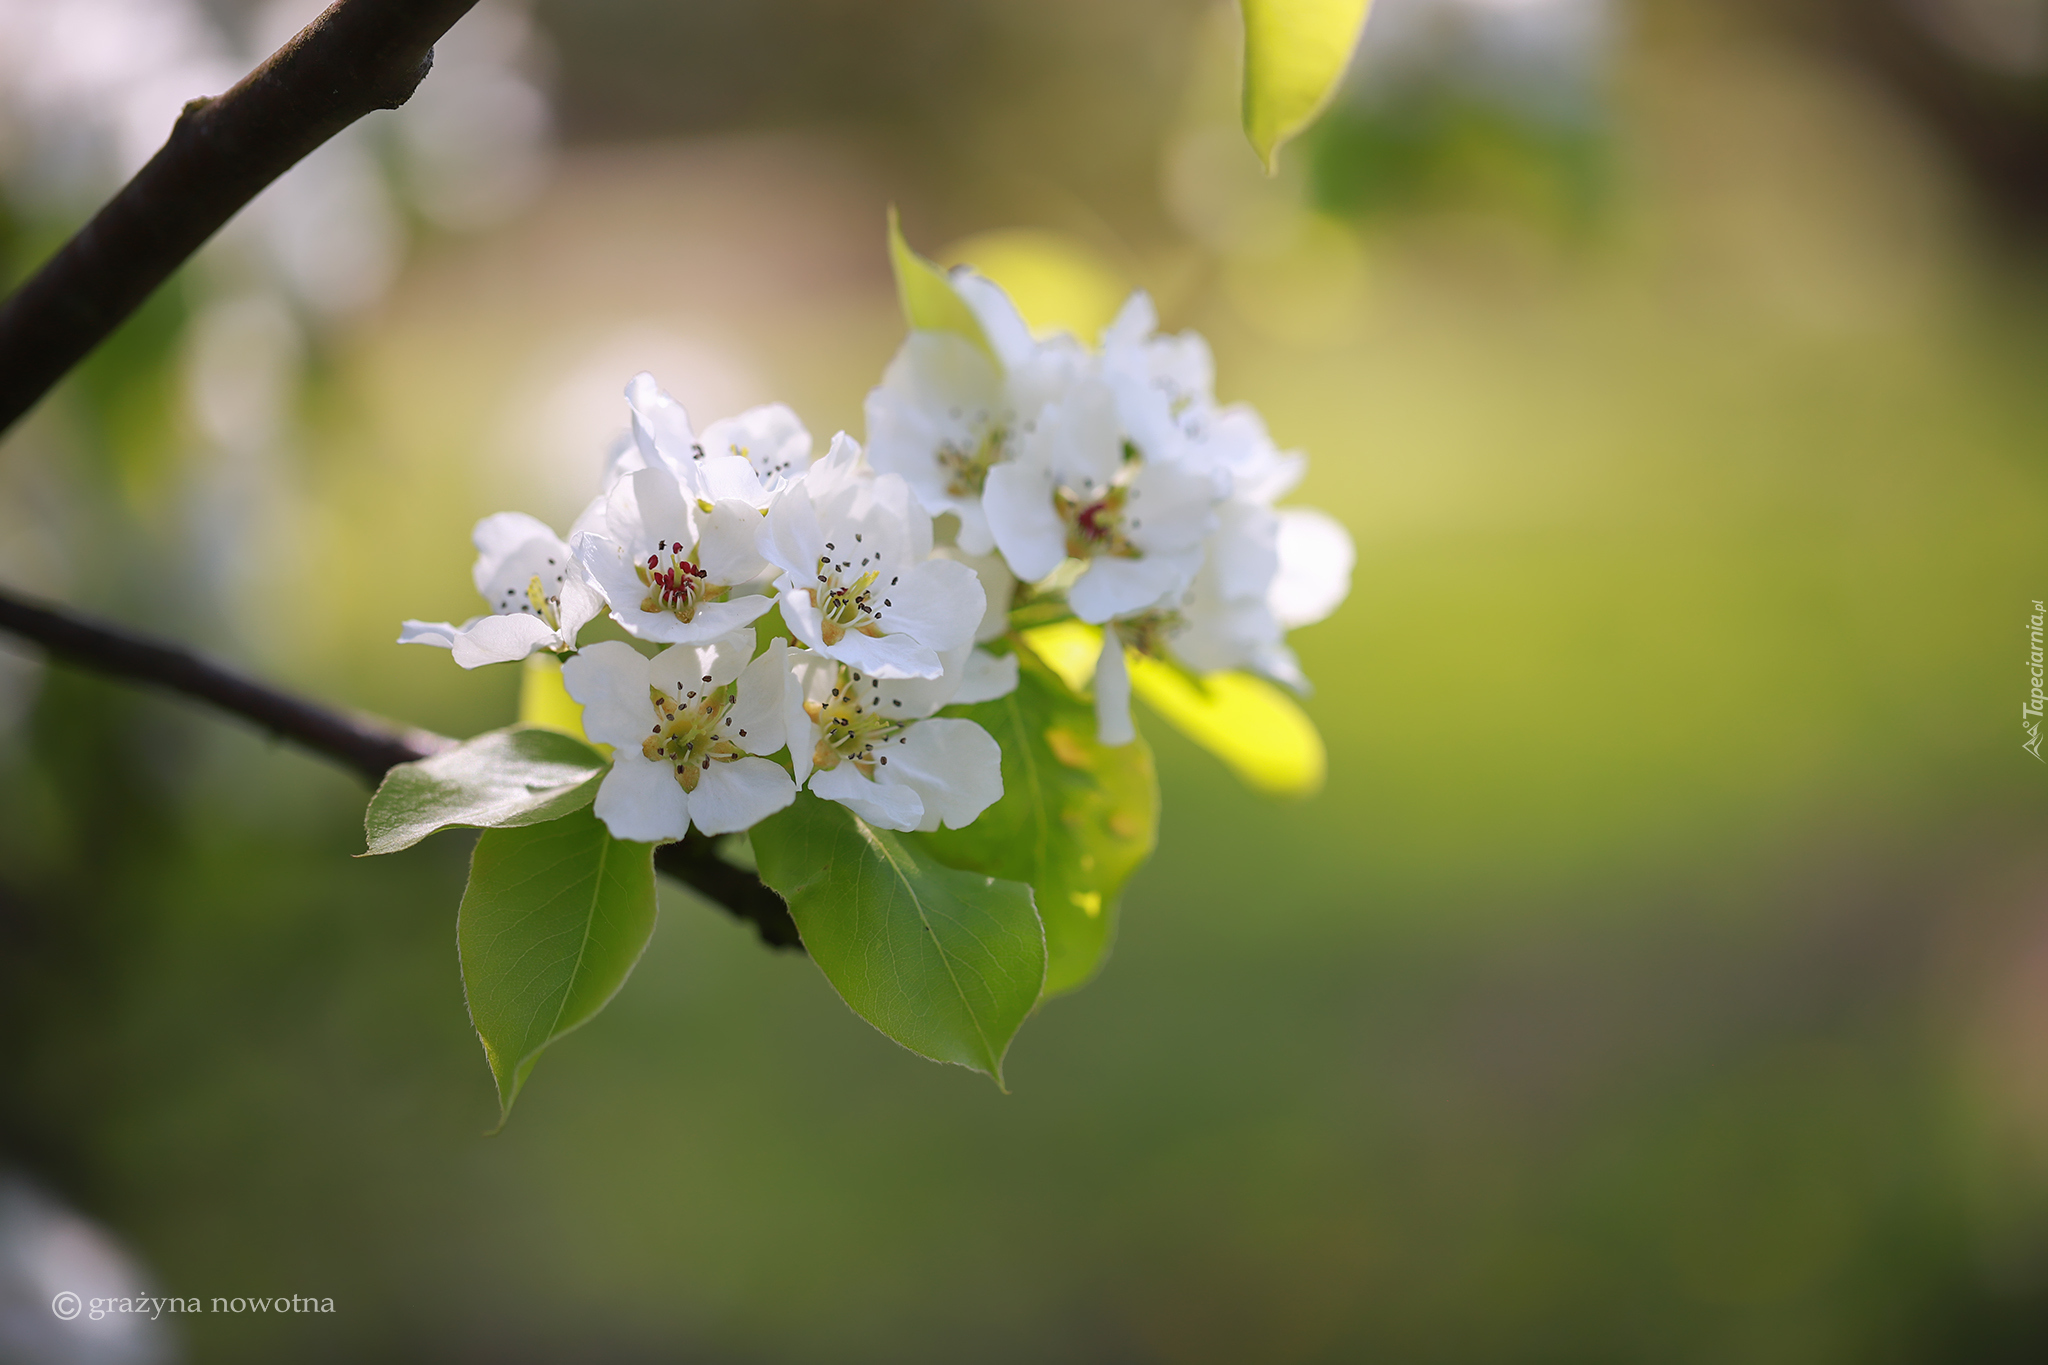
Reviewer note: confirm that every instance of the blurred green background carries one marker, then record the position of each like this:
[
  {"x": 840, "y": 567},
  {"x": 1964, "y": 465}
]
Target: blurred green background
[{"x": 1662, "y": 975}]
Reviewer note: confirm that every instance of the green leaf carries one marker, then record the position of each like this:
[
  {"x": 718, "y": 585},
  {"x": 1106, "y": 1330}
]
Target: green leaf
[
  {"x": 496, "y": 781},
  {"x": 947, "y": 963},
  {"x": 929, "y": 301},
  {"x": 552, "y": 921},
  {"x": 1254, "y": 727},
  {"x": 543, "y": 701},
  {"x": 1295, "y": 52},
  {"x": 1077, "y": 818}
]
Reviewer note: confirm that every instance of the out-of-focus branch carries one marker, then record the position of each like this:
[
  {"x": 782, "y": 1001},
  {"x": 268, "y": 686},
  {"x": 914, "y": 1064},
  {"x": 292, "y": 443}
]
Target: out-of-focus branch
[
  {"x": 358, "y": 56},
  {"x": 370, "y": 748}
]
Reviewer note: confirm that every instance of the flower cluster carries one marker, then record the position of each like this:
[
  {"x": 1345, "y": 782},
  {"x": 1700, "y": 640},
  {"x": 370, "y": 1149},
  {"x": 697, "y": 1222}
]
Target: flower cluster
[{"x": 1004, "y": 473}]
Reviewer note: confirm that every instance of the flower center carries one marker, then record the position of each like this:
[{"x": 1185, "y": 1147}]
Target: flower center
[
  {"x": 677, "y": 585},
  {"x": 548, "y": 609},
  {"x": 852, "y": 728},
  {"x": 1151, "y": 632},
  {"x": 967, "y": 467},
  {"x": 849, "y": 595},
  {"x": 694, "y": 732},
  {"x": 1097, "y": 525}
]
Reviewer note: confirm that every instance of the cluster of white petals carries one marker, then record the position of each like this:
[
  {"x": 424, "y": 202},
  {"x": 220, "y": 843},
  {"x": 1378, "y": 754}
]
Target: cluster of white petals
[
  {"x": 1108, "y": 484},
  {"x": 1116, "y": 477},
  {"x": 692, "y": 541}
]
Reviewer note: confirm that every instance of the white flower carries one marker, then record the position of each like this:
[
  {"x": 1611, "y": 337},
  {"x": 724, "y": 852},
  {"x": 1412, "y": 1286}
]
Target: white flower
[
  {"x": 668, "y": 563},
  {"x": 538, "y": 595},
  {"x": 873, "y": 746},
  {"x": 1165, "y": 395},
  {"x": 946, "y": 413},
  {"x": 771, "y": 439},
  {"x": 858, "y": 582},
  {"x": 1078, "y": 488},
  {"x": 1264, "y": 573},
  {"x": 663, "y": 439},
  {"x": 687, "y": 728}
]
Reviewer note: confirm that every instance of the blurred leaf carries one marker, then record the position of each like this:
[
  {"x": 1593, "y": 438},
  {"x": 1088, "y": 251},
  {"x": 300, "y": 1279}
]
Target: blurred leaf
[
  {"x": 929, "y": 301},
  {"x": 1076, "y": 819},
  {"x": 544, "y": 701},
  {"x": 1069, "y": 650},
  {"x": 496, "y": 781},
  {"x": 1058, "y": 282},
  {"x": 1295, "y": 52},
  {"x": 552, "y": 921},
  {"x": 947, "y": 963},
  {"x": 1246, "y": 721}
]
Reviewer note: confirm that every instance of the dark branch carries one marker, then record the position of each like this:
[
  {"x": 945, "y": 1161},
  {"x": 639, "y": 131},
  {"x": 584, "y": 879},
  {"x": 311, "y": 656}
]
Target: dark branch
[
  {"x": 696, "y": 865},
  {"x": 369, "y": 748},
  {"x": 359, "y": 56}
]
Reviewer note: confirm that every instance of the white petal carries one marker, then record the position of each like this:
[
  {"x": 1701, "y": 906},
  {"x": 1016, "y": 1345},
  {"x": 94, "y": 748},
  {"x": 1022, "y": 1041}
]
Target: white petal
[
  {"x": 738, "y": 795},
  {"x": 985, "y": 677},
  {"x": 772, "y": 439},
  {"x": 697, "y": 667},
  {"x": 810, "y": 679},
  {"x": 1316, "y": 558},
  {"x": 642, "y": 801},
  {"x": 1171, "y": 508},
  {"x": 497, "y": 536},
  {"x": 660, "y": 426},
  {"x": 1113, "y": 693},
  {"x": 1007, "y": 332},
  {"x": 1022, "y": 519},
  {"x": 581, "y": 602},
  {"x": 891, "y": 656},
  {"x": 954, "y": 766},
  {"x": 790, "y": 536},
  {"x": 610, "y": 679},
  {"x": 709, "y": 621},
  {"x": 437, "y": 633},
  {"x": 724, "y": 478},
  {"x": 728, "y": 542},
  {"x": 938, "y": 603},
  {"x": 760, "y": 706},
  {"x": 501, "y": 640},
  {"x": 890, "y": 805},
  {"x": 1116, "y": 587}
]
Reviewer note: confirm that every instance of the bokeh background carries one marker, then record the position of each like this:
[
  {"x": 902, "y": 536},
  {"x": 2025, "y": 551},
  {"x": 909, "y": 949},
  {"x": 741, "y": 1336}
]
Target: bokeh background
[{"x": 1662, "y": 975}]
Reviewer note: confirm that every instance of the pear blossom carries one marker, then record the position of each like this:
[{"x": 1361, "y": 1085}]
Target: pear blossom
[
  {"x": 539, "y": 596},
  {"x": 874, "y": 746},
  {"x": 664, "y": 439},
  {"x": 1265, "y": 572},
  {"x": 859, "y": 584},
  {"x": 948, "y": 411},
  {"x": 688, "y": 728},
  {"x": 771, "y": 439},
  {"x": 1081, "y": 488},
  {"x": 669, "y": 563}
]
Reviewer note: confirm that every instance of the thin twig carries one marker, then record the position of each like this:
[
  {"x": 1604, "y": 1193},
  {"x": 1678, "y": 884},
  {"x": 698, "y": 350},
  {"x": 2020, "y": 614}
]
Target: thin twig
[
  {"x": 359, "y": 56},
  {"x": 370, "y": 748}
]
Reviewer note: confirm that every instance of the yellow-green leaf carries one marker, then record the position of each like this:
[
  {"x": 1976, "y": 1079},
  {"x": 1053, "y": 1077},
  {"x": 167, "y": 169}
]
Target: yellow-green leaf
[
  {"x": 1076, "y": 818},
  {"x": 929, "y": 301},
  {"x": 1295, "y": 52},
  {"x": 543, "y": 702},
  {"x": 1246, "y": 721}
]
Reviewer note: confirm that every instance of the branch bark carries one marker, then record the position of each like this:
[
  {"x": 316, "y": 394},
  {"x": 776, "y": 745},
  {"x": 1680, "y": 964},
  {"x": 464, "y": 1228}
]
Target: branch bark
[
  {"x": 357, "y": 57},
  {"x": 370, "y": 748}
]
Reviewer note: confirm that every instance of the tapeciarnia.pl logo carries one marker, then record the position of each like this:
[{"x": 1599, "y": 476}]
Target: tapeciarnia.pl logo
[{"x": 2030, "y": 713}]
